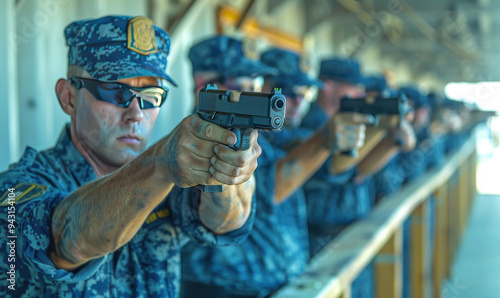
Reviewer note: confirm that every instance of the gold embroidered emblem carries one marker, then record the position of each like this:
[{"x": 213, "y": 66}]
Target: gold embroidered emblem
[
  {"x": 141, "y": 36},
  {"x": 155, "y": 215},
  {"x": 22, "y": 192}
]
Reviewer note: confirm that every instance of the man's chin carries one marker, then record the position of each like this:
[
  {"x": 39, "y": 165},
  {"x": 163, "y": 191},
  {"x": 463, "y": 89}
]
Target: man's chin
[{"x": 123, "y": 157}]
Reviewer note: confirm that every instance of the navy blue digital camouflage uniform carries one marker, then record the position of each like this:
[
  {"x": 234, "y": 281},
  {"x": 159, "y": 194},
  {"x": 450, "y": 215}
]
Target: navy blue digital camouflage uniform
[
  {"x": 277, "y": 248},
  {"x": 336, "y": 200},
  {"x": 147, "y": 265},
  {"x": 333, "y": 200}
]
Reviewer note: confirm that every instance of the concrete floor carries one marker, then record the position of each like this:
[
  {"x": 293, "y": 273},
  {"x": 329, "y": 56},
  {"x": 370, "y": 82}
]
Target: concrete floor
[{"x": 476, "y": 270}]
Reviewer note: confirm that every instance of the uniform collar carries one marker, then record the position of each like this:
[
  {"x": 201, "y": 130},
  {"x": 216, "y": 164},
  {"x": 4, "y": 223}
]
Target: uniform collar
[{"x": 73, "y": 159}]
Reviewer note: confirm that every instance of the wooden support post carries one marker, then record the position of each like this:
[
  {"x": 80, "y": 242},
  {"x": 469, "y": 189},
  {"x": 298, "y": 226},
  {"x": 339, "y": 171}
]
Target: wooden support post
[
  {"x": 419, "y": 238},
  {"x": 472, "y": 176},
  {"x": 440, "y": 241},
  {"x": 474, "y": 166},
  {"x": 445, "y": 232},
  {"x": 462, "y": 197},
  {"x": 452, "y": 222},
  {"x": 462, "y": 205},
  {"x": 388, "y": 267}
]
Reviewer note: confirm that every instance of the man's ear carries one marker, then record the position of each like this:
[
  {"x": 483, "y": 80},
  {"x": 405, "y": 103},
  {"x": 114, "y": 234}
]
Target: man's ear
[{"x": 66, "y": 95}]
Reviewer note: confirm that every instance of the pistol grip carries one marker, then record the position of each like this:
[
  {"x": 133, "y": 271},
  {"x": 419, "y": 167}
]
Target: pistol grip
[
  {"x": 242, "y": 143},
  {"x": 353, "y": 153},
  {"x": 242, "y": 139}
]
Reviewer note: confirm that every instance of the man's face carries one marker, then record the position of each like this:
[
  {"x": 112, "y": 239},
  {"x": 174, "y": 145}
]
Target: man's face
[
  {"x": 112, "y": 134},
  {"x": 297, "y": 104},
  {"x": 333, "y": 91},
  {"x": 422, "y": 118}
]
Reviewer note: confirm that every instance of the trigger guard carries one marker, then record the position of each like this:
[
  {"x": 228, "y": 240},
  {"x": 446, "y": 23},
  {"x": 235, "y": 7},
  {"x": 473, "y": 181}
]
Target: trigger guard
[
  {"x": 242, "y": 139},
  {"x": 236, "y": 145}
]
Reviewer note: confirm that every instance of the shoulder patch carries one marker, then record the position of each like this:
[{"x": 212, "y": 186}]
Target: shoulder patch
[
  {"x": 155, "y": 215},
  {"x": 21, "y": 193}
]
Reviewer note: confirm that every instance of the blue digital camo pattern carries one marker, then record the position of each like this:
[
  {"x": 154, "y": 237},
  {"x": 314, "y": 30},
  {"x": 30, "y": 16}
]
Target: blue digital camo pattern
[
  {"x": 341, "y": 69},
  {"x": 427, "y": 152},
  {"x": 224, "y": 55},
  {"x": 290, "y": 72},
  {"x": 333, "y": 199},
  {"x": 100, "y": 47},
  {"x": 388, "y": 180},
  {"x": 275, "y": 251},
  {"x": 288, "y": 137},
  {"x": 315, "y": 117},
  {"x": 419, "y": 100},
  {"x": 147, "y": 266},
  {"x": 376, "y": 83}
]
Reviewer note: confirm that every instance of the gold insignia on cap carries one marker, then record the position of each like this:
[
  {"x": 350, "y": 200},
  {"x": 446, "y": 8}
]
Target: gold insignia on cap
[
  {"x": 249, "y": 47},
  {"x": 21, "y": 193},
  {"x": 141, "y": 36}
]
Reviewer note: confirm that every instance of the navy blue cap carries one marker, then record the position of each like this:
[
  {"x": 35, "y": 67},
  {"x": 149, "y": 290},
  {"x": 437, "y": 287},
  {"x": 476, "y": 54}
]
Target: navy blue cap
[
  {"x": 435, "y": 99},
  {"x": 376, "y": 83},
  {"x": 118, "y": 47},
  {"x": 419, "y": 100},
  {"x": 224, "y": 55},
  {"x": 290, "y": 70},
  {"x": 341, "y": 69}
]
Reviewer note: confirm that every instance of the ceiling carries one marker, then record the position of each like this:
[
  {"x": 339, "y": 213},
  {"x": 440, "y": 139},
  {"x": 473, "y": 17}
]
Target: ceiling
[{"x": 457, "y": 40}]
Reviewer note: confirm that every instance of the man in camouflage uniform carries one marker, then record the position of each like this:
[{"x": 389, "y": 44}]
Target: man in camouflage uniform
[
  {"x": 334, "y": 199},
  {"x": 335, "y": 195},
  {"x": 98, "y": 215},
  {"x": 277, "y": 249}
]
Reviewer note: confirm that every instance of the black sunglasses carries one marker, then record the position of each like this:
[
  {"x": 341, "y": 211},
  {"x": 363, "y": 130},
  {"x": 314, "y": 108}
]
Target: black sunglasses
[{"x": 122, "y": 94}]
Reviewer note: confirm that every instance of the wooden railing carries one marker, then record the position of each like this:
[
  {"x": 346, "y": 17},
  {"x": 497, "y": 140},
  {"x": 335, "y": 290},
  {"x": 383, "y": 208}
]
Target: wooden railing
[{"x": 378, "y": 238}]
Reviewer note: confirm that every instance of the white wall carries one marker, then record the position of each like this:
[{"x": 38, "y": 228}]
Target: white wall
[
  {"x": 33, "y": 31},
  {"x": 9, "y": 124}
]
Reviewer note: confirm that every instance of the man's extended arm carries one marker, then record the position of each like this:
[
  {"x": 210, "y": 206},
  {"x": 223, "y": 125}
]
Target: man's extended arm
[
  {"x": 342, "y": 132},
  {"x": 103, "y": 215}
]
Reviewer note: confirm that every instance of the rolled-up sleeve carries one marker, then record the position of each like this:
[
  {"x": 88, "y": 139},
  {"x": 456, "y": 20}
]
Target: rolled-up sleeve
[
  {"x": 184, "y": 204},
  {"x": 33, "y": 222}
]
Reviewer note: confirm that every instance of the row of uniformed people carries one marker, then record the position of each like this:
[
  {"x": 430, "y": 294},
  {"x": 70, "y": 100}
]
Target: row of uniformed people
[{"x": 323, "y": 192}]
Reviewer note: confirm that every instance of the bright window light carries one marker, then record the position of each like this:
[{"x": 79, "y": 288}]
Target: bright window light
[{"x": 485, "y": 94}]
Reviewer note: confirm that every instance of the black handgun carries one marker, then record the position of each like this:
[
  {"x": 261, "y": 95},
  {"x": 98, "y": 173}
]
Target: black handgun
[
  {"x": 375, "y": 106},
  {"x": 253, "y": 110}
]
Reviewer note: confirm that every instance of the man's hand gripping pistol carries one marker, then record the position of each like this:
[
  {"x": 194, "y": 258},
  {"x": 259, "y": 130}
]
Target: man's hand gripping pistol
[{"x": 241, "y": 112}]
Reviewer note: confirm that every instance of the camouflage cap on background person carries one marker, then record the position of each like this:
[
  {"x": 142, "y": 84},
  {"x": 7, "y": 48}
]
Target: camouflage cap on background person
[
  {"x": 288, "y": 64},
  {"x": 224, "y": 55},
  {"x": 341, "y": 69},
  {"x": 419, "y": 100},
  {"x": 117, "y": 47},
  {"x": 376, "y": 83}
]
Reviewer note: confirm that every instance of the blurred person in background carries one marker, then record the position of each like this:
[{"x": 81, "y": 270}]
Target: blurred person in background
[{"x": 277, "y": 249}]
